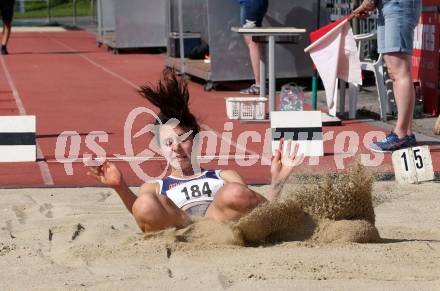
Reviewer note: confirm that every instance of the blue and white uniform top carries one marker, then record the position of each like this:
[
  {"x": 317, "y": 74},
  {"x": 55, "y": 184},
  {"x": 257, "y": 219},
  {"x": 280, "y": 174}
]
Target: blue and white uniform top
[{"x": 197, "y": 189}]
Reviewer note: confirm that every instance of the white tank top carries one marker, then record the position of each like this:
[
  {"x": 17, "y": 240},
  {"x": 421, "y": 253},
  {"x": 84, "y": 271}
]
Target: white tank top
[{"x": 186, "y": 191}]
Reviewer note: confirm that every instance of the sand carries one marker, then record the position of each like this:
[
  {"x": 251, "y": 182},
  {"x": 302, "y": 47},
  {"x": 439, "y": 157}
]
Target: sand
[{"x": 84, "y": 239}]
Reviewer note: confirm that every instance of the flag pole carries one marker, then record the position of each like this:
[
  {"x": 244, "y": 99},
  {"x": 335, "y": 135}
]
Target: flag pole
[{"x": 315, "y": 72}]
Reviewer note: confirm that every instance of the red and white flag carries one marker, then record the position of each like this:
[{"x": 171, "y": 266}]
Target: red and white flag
[{"x": 334, "y": 53}]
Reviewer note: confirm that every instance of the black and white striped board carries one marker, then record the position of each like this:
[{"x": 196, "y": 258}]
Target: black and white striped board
[
  {"x": 303, "y": 127},
  {"x": 17, "y": 139}
]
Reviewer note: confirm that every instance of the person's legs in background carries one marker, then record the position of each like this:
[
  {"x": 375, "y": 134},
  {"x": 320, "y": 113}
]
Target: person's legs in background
[
  {"x": 399, "y": 69},
  {"x": 5, "y": 38},
  {"x": 7, "y": 11},
  {"x": 254, "y": 54},
  {"x": 395, "y": 36},
  {"x": 251, "y": 15}
]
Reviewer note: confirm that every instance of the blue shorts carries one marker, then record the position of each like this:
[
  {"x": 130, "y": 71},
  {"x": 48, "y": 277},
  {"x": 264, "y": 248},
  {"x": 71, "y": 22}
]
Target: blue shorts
[
  {"x": 253, "y": 10},
  {"x": 395, "y": 25},
  {"x": 198, "y": 210}
]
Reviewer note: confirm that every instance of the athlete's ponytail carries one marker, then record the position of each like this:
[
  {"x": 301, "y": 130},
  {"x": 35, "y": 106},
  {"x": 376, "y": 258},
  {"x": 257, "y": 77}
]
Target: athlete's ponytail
[{"x": 171, "y": 96}]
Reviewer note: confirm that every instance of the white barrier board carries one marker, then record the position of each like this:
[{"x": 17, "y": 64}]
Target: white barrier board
[
  {"x": 17, "y": 139},
  {"x": 303, "y": 127}
]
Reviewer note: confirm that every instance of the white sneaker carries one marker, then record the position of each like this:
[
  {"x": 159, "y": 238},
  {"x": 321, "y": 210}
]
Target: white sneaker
[
  {"x": 252, "y": 90},
  {"x": 250, "y": 24}
]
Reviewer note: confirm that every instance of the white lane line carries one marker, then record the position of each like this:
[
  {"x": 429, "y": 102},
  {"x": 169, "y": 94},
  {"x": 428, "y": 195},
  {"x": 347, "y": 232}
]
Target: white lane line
[
  {"x": 16, "y": 29},
  {"x": 44, "y": 167},
  {"x": 144, "y": 159}
]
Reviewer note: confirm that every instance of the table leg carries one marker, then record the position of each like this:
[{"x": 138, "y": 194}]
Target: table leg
[
  {"x": 181, "y": 40},
  {"x": 271, "y": 73},
  {"x": 262, "y": 71},
  {"x": 342, "y": 93}
]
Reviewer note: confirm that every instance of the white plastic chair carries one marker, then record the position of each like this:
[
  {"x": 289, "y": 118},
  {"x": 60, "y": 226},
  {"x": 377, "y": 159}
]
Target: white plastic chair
[{"x": 375, "y": 66}]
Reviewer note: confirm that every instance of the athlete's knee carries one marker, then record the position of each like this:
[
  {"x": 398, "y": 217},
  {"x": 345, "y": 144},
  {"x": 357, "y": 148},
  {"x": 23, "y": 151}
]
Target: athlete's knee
[
  {"x": 238, "y": 196},
  {"x": 145, "y": 211}
]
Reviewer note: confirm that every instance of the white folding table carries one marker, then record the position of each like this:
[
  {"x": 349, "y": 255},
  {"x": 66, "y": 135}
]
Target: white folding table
[{"x": 270, "y": 33}]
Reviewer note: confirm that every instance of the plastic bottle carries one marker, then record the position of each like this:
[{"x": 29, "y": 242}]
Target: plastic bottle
[{"x": 291, "y": 98}]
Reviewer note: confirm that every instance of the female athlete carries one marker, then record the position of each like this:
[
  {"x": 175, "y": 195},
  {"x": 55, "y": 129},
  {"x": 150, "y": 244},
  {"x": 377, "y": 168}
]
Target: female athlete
[{"x": 221, "y": 195}]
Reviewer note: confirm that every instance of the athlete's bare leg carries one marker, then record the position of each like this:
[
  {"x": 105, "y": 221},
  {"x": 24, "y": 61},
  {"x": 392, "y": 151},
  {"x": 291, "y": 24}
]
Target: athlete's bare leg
[
  {"x": 232, "y": 201},
  {"x": 153, "y": 212}
]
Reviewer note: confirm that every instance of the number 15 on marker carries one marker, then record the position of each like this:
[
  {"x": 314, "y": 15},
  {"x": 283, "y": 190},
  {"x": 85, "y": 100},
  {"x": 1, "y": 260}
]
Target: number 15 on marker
[
  {"x": 413, "y": 165},
  {"x": 417, "y": 159}
]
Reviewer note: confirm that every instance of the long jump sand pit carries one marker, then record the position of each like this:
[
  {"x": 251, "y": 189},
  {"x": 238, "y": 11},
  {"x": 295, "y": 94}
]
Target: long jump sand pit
[{"x": 84, "y": 239}]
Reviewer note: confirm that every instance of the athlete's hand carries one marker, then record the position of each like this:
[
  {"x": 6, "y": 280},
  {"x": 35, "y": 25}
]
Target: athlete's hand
[
  {"x": 107, "y": 173},
  {"x": 283, "y": 165}
]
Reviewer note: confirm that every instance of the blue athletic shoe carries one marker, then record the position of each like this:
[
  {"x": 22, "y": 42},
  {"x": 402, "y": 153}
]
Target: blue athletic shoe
[
  {"x": 412, "y": 141},
  {"x": 392, "y": 143}
]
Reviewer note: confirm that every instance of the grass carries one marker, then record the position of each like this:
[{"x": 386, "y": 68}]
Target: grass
[{"x": 39, "y": 9}]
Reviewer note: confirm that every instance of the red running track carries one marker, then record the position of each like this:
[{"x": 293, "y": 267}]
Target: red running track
[{"x": 71, "y": 85}]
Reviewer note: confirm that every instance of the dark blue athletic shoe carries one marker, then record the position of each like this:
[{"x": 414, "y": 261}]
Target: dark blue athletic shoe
[
  {"x": 412, "y": 141},
  {"x": 4, "y": 50},
  {"x": 392, "y": 143}
]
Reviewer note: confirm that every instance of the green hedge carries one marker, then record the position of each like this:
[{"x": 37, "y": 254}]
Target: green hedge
[
  {"x": 37, "y": 9},
  {"x": 39, "y": 5}
]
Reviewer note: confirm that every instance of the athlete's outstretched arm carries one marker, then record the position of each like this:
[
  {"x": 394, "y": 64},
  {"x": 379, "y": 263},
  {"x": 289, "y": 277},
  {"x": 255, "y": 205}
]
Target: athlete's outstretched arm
[
  {"x": 109, "y": 175},
  {"x": 282, "y": 166}
]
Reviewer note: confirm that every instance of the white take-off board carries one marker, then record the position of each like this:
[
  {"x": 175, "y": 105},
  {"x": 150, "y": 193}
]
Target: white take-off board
[
  {"x": 303, "y": 127},
  {"x": 413, "y": 165},
  {"x": 17, "y": 139}
]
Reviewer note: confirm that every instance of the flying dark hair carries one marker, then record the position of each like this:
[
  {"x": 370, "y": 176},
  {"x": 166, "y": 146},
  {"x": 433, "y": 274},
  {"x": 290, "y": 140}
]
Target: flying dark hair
[{"x": 171, "y": 96}]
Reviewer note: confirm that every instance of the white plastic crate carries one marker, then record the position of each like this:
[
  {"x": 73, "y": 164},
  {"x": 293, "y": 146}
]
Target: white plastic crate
[{"x": 246, "y": 107}]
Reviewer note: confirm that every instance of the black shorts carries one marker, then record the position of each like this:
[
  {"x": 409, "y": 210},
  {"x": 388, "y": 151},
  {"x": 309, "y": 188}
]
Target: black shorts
[{"x": 7, "y": 10}]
